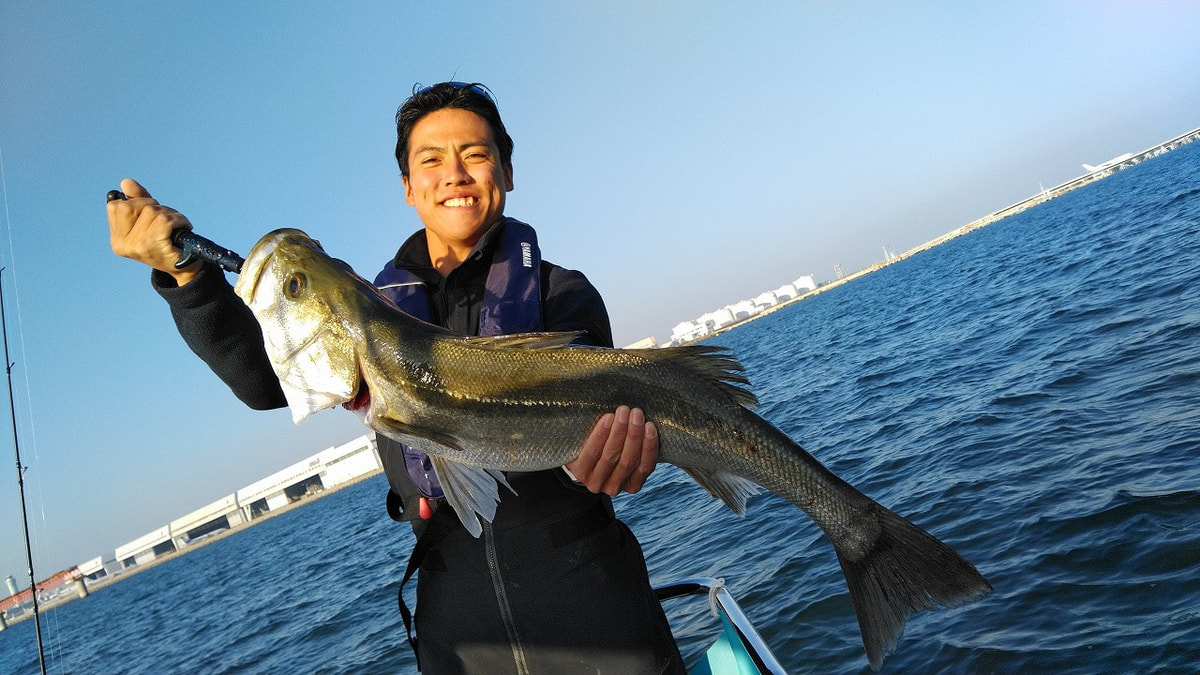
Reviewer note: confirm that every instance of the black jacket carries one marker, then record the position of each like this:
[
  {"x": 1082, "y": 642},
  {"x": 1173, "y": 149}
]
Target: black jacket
[{"x": 555, "y": 576}]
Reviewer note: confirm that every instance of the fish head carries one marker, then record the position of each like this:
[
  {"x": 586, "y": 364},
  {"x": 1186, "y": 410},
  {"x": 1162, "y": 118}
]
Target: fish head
[{"x": 304, "y": 301}]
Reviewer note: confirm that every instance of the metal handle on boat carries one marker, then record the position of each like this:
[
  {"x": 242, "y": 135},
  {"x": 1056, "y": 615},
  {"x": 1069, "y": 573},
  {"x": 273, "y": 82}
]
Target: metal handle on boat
[
  {"x": 194, "y": 247},
  {"x": 753, "y": 644}
]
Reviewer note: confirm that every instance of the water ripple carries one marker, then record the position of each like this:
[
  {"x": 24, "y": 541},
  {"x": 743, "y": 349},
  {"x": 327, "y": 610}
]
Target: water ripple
[{"x": 1030, "y": 393}]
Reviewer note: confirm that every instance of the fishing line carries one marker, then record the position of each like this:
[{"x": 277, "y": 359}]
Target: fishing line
[{"x": 8, "y": 366}]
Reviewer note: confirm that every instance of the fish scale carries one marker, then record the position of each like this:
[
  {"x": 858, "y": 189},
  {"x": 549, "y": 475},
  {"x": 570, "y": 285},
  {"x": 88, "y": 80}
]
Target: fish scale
[{"x": 480, "y": 406}]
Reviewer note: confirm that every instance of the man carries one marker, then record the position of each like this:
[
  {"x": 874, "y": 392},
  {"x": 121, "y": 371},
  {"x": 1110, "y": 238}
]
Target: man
[{"x": 555, "y": 584}]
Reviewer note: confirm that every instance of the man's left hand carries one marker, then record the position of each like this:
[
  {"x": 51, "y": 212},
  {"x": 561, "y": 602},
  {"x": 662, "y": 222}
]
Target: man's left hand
[{"x": 619, "y": 453}]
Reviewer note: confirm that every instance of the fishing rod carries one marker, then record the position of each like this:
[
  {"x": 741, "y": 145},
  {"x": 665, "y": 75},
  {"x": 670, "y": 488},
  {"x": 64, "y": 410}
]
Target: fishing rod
[
  {"x": 12, "y": 408},
  {"x": 194, "y": 247}
]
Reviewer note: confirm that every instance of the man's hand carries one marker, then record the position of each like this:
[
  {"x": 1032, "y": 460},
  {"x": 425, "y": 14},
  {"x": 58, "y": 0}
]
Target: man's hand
[
  {"x": 139, "y": 228},
  {"x": 619, "y": 453}
]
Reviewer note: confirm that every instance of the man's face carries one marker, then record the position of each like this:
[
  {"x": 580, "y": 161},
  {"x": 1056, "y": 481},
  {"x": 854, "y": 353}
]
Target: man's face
[{"x": 456, "y": 182}]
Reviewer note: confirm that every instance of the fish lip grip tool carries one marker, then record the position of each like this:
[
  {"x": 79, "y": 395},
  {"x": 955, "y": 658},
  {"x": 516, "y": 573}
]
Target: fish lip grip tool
[{"x": 194, "y": 247}]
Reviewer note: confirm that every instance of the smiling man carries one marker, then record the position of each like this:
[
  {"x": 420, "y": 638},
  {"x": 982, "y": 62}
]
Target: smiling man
[
  {"x": 555, "y": 584},
  {"x": 456, "y": 181}
]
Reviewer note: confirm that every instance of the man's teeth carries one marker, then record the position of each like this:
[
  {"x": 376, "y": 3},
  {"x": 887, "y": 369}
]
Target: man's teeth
[{"x": 460, "y": 201}]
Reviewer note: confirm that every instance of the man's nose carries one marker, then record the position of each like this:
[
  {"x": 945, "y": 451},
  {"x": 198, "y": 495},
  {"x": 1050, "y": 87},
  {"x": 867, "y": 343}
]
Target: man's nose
[{"x": 456, "y": 172}]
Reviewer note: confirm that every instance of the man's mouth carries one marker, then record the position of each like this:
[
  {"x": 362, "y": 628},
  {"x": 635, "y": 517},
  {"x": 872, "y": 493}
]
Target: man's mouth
[{"x": 459, "y": 202}]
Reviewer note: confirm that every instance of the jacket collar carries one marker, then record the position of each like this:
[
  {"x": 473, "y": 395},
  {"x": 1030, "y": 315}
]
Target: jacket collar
[{"x": 413, "y": 254}]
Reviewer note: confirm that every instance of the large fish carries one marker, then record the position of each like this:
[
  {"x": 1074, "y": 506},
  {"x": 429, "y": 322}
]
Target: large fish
[{"x": 482, "y": 405}]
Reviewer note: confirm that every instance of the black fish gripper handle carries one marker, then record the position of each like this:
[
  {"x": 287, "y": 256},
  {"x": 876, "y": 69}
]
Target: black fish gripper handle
[{"x": 194, "y": 247}]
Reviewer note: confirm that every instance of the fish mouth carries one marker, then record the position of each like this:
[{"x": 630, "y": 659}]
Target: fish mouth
[
  {"x": 255, "y": 263},
  {"x": 361, "y": 400}
]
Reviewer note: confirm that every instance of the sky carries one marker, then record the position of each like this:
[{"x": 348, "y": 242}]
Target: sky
[{"x": 684, "y": 155}]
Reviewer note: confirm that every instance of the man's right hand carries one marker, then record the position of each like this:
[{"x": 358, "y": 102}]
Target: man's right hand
[{"x": 140, "y": 229}]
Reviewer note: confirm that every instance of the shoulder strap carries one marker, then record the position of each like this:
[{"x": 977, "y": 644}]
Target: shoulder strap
[
  {"x": 405, "y": 289},
  {"x": 441, "y": 524},
  {"x": 512, "y": 297},
  {"x": 512, "y": 304}
]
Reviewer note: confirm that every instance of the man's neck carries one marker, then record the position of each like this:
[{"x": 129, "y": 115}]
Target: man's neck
[{"x": 445, "y": 258}]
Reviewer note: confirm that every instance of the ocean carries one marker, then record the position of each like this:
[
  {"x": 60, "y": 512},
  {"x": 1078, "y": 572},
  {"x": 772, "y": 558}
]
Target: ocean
[{"x": 1028, "y": 392}]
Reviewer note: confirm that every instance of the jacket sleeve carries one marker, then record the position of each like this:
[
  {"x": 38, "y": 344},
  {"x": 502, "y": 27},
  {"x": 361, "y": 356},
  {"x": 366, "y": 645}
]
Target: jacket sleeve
[
  {"x": 221, "y": 330},
  {"x": 572, "y": 303}
]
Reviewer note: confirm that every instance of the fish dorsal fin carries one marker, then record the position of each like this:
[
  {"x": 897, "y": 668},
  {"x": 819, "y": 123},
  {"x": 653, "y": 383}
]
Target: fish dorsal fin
[
  {"x": 729, "y": 488},
  {"x": 525, "y": 340},
  {"x": 715, "y": 364},
  {"x": 472, "y": 491}
]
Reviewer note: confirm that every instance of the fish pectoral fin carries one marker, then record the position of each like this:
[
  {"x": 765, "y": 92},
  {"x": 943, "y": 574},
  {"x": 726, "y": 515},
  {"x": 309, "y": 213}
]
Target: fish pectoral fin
[
  {"x": 470, "y": 490},
  {"x": 729, "y": 488},
  {"x": 426, "y": 440},
  {"x": 525, "y": 340}
]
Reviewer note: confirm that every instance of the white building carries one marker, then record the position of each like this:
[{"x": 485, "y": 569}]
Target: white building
[
  {"x": 219, "y": 515},
  {"x": 805, "y": 283},
  {"x": 688, "y": 331},
  {"x": 707, "y": 324},
  {"x": 323, "y": 470},
  {"x": 765, "y": 300},
  {"x": 99, "y": 568},
  {"x": 326, "y": 469},
  {"x": 744, "y": 309},
  {"x": 146, "y": 548}
]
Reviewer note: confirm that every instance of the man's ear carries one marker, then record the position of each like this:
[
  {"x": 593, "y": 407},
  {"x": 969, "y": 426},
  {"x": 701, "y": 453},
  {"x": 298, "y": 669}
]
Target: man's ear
[{"x": 408, "y": 193}]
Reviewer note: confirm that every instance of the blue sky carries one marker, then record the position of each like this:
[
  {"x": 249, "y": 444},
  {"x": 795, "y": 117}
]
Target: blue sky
[{"x": 685, "y": 155}]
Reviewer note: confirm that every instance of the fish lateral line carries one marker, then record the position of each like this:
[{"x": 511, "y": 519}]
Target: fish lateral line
[{"x": 697, "y": 395}]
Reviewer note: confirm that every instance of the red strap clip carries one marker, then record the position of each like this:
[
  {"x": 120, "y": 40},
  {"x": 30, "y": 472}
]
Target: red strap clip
[{"x": 425, "y": 510}]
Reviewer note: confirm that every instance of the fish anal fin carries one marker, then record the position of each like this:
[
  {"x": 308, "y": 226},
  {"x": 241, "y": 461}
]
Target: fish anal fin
[{"x": 729, "y": 488}]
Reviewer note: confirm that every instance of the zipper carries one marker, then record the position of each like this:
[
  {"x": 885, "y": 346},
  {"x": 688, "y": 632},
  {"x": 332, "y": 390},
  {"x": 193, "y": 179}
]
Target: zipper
[{"x": 506, "y": 613}]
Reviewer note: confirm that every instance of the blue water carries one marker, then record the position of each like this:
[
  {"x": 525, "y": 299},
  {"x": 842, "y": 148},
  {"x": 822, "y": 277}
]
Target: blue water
[{"x": 1030, "y": 393}]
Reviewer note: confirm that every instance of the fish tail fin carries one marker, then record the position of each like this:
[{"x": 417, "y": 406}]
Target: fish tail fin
[{"x": 906, "y": 570}]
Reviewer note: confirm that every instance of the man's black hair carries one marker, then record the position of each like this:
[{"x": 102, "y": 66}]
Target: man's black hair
[{"x": 472, "y": 97}]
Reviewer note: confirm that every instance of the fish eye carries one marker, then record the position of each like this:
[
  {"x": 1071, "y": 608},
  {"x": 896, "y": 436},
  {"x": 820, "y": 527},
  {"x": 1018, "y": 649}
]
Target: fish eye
[{"x": 296, "y": 285}]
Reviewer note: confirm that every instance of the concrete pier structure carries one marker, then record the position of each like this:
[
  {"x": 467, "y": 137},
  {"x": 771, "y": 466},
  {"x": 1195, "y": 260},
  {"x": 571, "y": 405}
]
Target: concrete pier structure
[
  {"x": 219, "y": 515},
  {"x": 718, "y": 322},
  {"x": 311, "y": 477}
]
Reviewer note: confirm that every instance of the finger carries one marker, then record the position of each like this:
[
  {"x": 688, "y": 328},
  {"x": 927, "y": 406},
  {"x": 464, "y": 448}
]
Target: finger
[
  {"x": 140, "y": 229},
  {"x": 610, "y": 456},
  {"x": 648, "y": 460},
  {"x": 125, "y": 214},
  {"x": 120, "y": 218},
  {"x": 630, "y": 450},
  {"x": 134, "y": 189},
  {"x": 583, "y": 466},
  {"x": 153, "y": 218}
]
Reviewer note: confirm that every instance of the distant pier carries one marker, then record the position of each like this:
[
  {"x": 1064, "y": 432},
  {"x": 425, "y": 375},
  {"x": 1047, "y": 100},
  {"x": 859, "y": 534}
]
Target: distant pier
[
  {"x": 1098, "y": 173},
  {"x": 317, "y": 476}
]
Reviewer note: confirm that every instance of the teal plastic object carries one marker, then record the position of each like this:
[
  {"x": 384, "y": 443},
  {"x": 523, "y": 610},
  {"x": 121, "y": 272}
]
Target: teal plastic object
[{"x": 726, "y": 656}]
